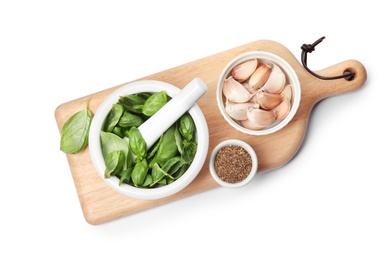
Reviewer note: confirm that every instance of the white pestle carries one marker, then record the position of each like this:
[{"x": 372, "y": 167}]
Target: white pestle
[{"x": 157, "y": 124}]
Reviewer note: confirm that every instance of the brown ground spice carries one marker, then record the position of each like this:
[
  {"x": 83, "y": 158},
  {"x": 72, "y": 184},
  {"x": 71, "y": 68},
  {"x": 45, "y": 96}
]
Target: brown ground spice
[{"x": 233, "y": 163}]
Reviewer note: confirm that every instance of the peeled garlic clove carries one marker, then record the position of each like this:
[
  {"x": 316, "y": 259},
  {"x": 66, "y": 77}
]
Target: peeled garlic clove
[
  {"x": 242, "y": 72},
  {"x": 267, "y": 100},
  {"x": 260, "y": 118},
  {"x": 282, "y": 110},
  {"x": 287, "y": 91},
  {"x": 235, "y": 91},
  {"x": 249, "y": 125},
  {"x": 246, "y": 85},
  {"x": 260, "y": 76},
  {"x": 254, "y": 99},
  {"x": 276, "y": 80},
  {"x": 238, "y": 111}
]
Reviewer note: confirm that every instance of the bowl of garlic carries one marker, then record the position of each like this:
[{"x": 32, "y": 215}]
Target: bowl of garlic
[{"x": 258, "y": 93}]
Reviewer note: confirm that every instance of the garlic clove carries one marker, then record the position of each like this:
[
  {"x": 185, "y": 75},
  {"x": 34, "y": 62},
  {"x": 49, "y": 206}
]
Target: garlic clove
[
  {"x": 267, "y": 100},
  {"x": 283, "y": 109},
  {"x": 238, "y": 111},
  {"x": 246, "y": 85},
  {"x": 276, "y": 80},
  {"x": 235, "y": 91},
  {"x": 260, "y": 76},
  {"x": 242, "y": 72},
  {"x": 260, "y": 118},
  {"x": 287, "y": 91},
  {"x": 254, "y": 99},
  {"x": 249, "y": 125}
]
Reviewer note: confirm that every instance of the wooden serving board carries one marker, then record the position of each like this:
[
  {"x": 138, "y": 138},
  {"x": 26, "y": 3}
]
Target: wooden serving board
[{"x": 100, "y": 203}]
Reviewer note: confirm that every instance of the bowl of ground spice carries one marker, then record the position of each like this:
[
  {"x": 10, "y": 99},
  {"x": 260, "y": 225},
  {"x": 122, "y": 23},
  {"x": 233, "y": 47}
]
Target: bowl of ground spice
[{"x": 233, "y": 163}]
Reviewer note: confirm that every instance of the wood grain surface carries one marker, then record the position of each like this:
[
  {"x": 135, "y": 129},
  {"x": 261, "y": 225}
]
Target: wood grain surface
[{"x": 100, "y": 203}]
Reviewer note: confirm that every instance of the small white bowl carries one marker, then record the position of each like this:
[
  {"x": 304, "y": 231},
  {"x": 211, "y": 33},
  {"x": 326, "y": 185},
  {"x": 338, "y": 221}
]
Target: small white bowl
[
  {"x": 252, "y": 154},
  {"x": 291, "y": 77},
  {"x": 202, "y": 137}
]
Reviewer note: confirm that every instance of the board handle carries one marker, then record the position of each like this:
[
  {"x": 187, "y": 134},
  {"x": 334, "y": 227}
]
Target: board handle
[{"x": 326, "y": 88}]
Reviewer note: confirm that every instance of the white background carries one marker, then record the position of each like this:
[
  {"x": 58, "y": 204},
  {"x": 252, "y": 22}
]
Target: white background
[{"x": 332, "y": 201}]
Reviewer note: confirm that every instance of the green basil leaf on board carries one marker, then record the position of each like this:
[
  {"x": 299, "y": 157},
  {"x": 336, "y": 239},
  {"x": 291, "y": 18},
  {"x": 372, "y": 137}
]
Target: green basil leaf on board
[
  {"x": 187, "y": 126},
  {"x": 75, "y": 132},
  {"x": 154, "y": 103}
]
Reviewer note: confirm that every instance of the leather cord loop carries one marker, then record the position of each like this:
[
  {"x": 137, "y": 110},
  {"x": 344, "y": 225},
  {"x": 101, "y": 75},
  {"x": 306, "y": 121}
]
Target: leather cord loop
[{"x": 308, "y": 48}]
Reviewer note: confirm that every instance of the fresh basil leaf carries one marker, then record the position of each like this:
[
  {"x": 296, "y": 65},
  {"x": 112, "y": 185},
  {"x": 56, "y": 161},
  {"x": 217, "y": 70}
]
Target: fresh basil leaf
[
  {"x": 189, "y": 148},
  {"x": 114, "y": 163},
  {"x": 133, "y": 103},
  {"x": 176, "y": 167},
  {"x": 187, "y": 126},
  {"x": 154, "y": 103},
  {"x": 163, "y": 182},
  {"x": 154, "y": 148},
  {"x": 125, "y": 176},
  {"x": 178, "y": 139},
  {"x": 129, "y": 120},
  {"x": 180, "y": 173},
  {"x": 148, "y": 180},
  {"x": 158, "y": 174},
  {"x": 130, "y": 156},
  {"x": 167, "y": 148},
  {"x": 139, "y": 172},
  {"x": 115, "y": 114},
  {"x": 119, "y": 131},
  {"x": 75, "y": 132},
  {"x": 136, "y": 142},
  {"x": 170, "y": 163},
  {"x": 111, "y": 143}
]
